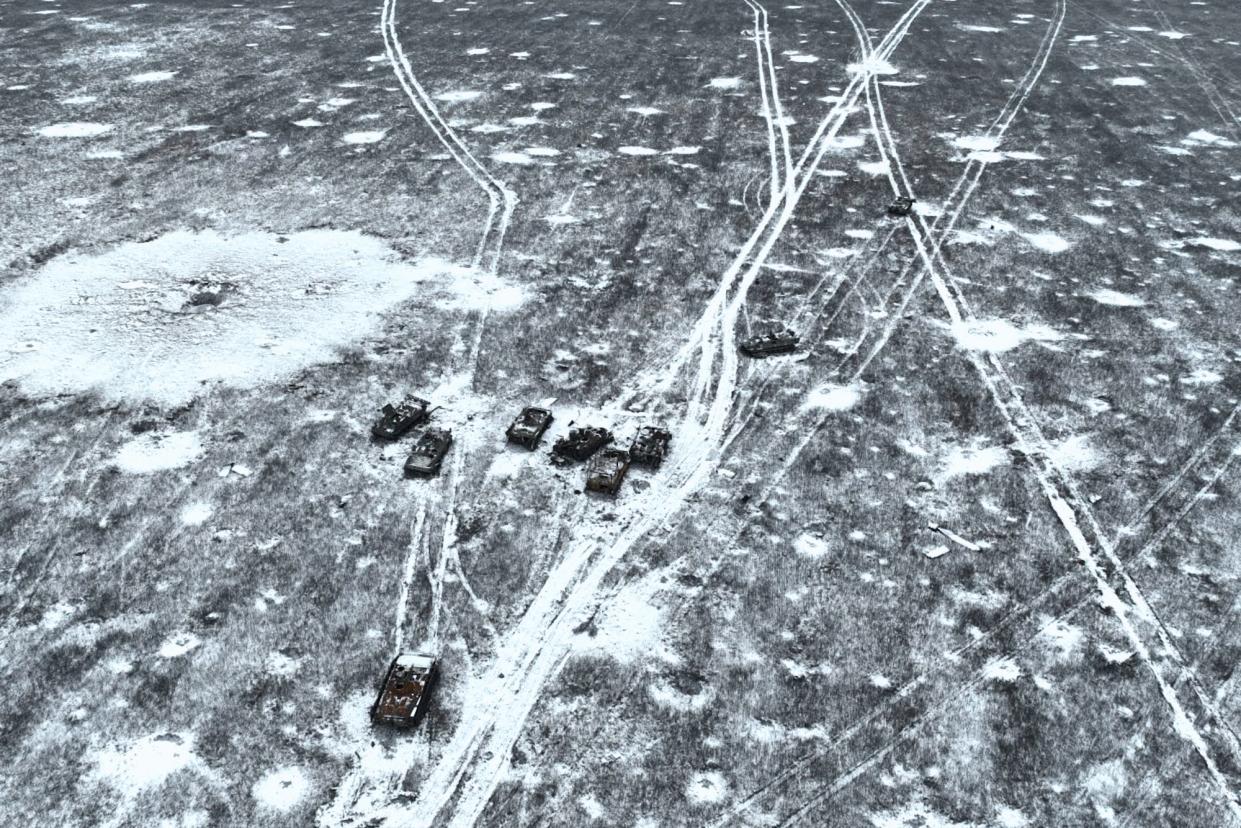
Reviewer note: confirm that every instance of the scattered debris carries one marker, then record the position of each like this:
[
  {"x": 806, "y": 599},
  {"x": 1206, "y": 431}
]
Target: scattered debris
[
  {"x": 529, "y": 426},
  {"x": 650, "y": 446},
  {"x": 402, "y": 699},
  {"x": 399, "y": 419},
  {"x": 607, "y": 470},
  {"x": 580, "y": 444},
  {"x": 774, "y": 342},
  {"x": 428, "y": 453}
]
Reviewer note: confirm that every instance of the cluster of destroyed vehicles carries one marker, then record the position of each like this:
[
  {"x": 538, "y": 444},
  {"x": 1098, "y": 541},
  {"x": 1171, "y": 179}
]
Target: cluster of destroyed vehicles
[
  {"x": 606, "y": 465},
  {"x": 402, "y": 699}
]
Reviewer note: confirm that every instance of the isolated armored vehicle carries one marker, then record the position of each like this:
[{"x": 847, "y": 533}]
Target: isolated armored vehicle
[
  {"x": 902, "y": 206},
  {"x": 771, "y": 343},
  {"x": 606, "y": 471},
  {"x": 580, "y": 443},
  {"x": 650, "y": 446},
  {"x": 428, "y": 452},
  {"x": 402, "y": 699},
  {"x": 399, "y": 419},
  {"x": 529, "y": 426}
]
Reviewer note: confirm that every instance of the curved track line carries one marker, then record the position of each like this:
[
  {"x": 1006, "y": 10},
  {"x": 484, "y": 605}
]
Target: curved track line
[{"x": 1057, "y": 485}]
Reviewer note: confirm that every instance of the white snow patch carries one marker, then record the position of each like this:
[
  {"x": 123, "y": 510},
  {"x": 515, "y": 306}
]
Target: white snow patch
[
  {"x": 636, "y": 151},
  {"x": 1115, "y": 298},
  {"x": 1128, "y": 81},
  {"x": 810, "y": 546},
  {"x": 178, "y": 644},
  {"x": 630, "y": 628},
  {"x": 152, "y": 77},
  {"x": 241, "y": 311},
  {"x": 368, "y": 137},
  {"x": 683, "y": 151},
  {"x": 158, "y": 451},
  {"x": 967, "y": 460},
  {"x": 871, "y": 66},
  {"x": 976, "y": 142},
  {"x": 706, "y": 788},
  {"x": 74, "y": 129},
  {"x": 971, "y": 27},
  {"x": 511, "y": 157},
  {"x": 874, "y": 167},
  {"x": 1047, "y": 242},
  {"x": 1002, "y": 669},
  {"x": 459, "y": 95},
  {"x": 830, "y": 397},
  {"x": 281, "y": 790},
  {"x": 1223, "y": 245},
  {"x": 143, "y": 764},
  {"x": 196, "y": 514},
  {"x": 1000, "y": 335},
  {"x": 724, "y": 83},
  {"x": 1202, "y": 376}
]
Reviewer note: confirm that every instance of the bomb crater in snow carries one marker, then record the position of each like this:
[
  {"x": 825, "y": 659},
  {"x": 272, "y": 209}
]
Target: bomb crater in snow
[{"x": 165, "y": 320}]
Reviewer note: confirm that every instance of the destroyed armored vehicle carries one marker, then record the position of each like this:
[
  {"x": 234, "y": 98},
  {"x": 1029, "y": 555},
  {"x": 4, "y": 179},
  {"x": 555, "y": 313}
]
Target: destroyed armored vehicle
[
  {"x": 606, "y": 470},
  {"x": 399, "y": 419},
  {"x": 402, "y": 699},
  {"x": 529, "y": 426},
  {"x": 771, "y": 343},
  {"x": 650, "y": 446},
  {"x": 428, "y": 452},
  {"x": 902, "y": 206},
  {"x": 580, "y": 443}
]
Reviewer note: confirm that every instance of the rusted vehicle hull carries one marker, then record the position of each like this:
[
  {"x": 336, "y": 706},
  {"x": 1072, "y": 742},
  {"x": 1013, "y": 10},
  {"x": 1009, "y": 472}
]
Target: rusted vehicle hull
[
  {"x": 406, "y": 688},
  {"x": 607, "y": 471}
]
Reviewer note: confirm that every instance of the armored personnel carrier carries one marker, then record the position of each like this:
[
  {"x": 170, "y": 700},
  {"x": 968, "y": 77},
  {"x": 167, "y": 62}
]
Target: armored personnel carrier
[
  {"x": 901, "y": 206},
  {"x": 428, "y": 452},
  {"x": 771, "y": 343},
  {"x": 606, "y": 471},
  {"x": 403, "y": 697},
  {"x": 398, "y": 419},
  {"x": 529, "y": 426},
  {"x": 580, "y": 444},
  {"x": 650, "y": 446}
]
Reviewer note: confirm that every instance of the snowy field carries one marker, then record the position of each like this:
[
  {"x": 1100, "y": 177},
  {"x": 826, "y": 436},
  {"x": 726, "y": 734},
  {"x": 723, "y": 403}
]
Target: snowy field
[{"x": 967, "y": 558}]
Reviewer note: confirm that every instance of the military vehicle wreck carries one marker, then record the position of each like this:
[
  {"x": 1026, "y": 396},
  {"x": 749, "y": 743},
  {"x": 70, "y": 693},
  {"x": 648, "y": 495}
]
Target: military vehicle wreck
[
  {"x": 650, "y": 446},
  {"x": 398, "y": 419},
  {"x": 403, "y": 697},
  {"x": 770, "y": 344},
  {"x": 528, "y": 428},
  {"x": 580, "y": 444},
  {"x": 901, "y": 206},
  {"x": 428, "y": 453},
  {"x": 606, "y": 471}
]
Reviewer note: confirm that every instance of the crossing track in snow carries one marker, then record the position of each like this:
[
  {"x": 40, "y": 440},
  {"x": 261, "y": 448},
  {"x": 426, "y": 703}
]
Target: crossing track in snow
[
  {"x": 1137, "y": 618},
  {"x": 773, "y": 112},
  {"x": 495, "y": 707},
  {"x": 502, "y": 201}
]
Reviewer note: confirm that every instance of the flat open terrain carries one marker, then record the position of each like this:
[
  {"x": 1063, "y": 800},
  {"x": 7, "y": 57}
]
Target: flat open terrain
[{"x": 968, "y": 557}]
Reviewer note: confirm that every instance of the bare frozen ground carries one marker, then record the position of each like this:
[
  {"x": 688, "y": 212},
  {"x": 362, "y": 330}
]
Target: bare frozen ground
[{"x": 856, "y": 595}]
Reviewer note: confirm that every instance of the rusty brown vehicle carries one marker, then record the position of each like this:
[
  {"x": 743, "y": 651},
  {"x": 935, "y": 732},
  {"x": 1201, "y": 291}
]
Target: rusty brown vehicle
[
  {"x": 403, "y": 698},
  {"x": 606, "y": 471}
]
